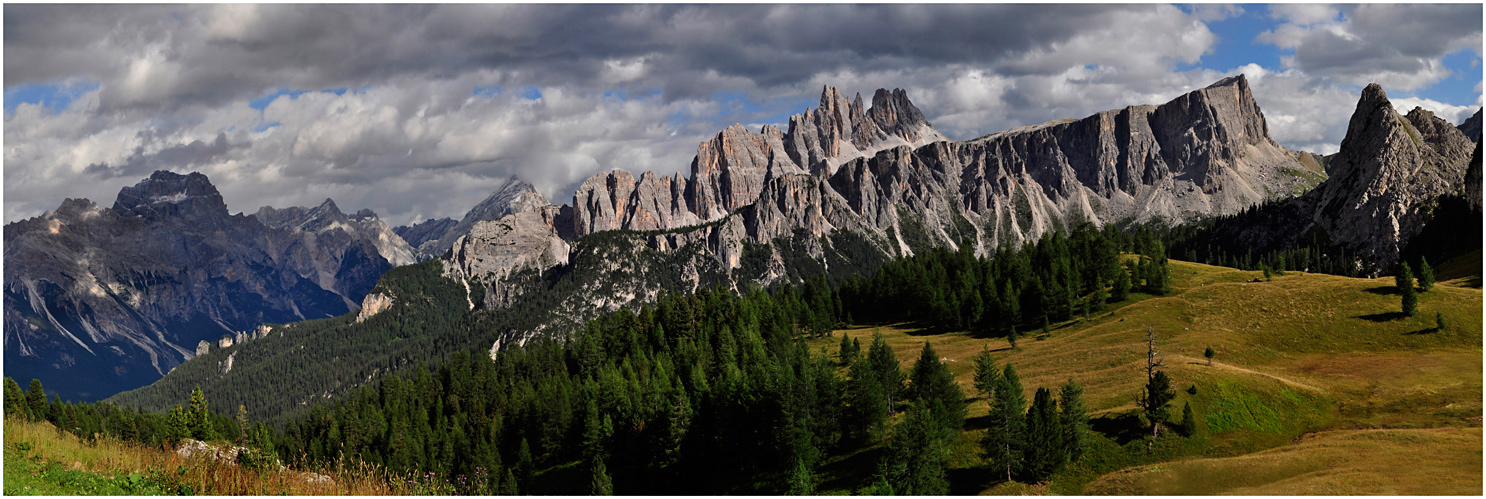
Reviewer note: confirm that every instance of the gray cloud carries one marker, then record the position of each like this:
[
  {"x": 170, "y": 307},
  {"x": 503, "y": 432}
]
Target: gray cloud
[{"x": 1399, "y": 46}]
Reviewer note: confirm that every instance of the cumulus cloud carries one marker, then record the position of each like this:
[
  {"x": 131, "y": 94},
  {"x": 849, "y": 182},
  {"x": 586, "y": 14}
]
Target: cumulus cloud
[
  {"x": 417, "y": 111},
  {"x": 1398, "y": 46}
]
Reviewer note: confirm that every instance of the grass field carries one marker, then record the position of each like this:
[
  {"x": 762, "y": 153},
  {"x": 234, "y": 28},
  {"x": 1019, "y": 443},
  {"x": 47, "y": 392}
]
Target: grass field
[
  {"x": 40, "y": 460},
  {"x": 1309, "y": 368}
]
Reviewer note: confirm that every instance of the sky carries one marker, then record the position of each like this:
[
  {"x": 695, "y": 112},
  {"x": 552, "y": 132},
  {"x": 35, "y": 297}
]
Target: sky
[{"x": 419, "y": 111}]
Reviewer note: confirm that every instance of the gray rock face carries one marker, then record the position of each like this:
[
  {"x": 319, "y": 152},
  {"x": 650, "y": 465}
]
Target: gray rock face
[
  {"x": 493, "y": 249},
  {"x": 513, "y": 196},
  {"x": 100, "y": 300},
  {"x": 886, "y": 177},
  {"x": 1388, "y": 169},
  {"x": 425, "y": 231},
  {"x": 1473, "y": 178},
  {"x": 1471, "y": 127}
]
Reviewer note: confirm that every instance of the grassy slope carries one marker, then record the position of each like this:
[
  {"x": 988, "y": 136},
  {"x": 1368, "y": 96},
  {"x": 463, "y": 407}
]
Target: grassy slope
[
  {"x": 1302, "y": 354},
  {"x": 40, "y": 460}
]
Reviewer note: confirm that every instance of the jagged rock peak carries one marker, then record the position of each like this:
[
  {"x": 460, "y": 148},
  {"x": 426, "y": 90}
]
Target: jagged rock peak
[
  {"x": 170, "y": 194},
  {"x": 1471, "y": 127}
]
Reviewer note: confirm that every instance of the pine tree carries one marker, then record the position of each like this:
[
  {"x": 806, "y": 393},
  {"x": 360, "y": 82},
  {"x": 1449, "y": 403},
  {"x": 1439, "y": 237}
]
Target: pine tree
[
  {"x": 933, "y": 383},
  {"x": 1044, "y": 453},
  {"x": 599, "y": 483},
  {"x": 36, "y": 399},
  {"x": 847, "y": 354},
  {"x": 1100, "y": 298},
  {"x": 884, "y": 364},
  {"x": 15, "y": 399},
  {"x": 1121, "y": 291},
  {"x": 1410, "y": 301},
  {"x": 179, "y": 424},
  {"x": 1074, "y": 417},
  {"x": 1004, "y": 435},
  {"x": 1189, "y": 423},
  {"x": 1439, "y": 321},
  {"x": 199, "y": 417},
  {"x": 1426, "y": 275},
  {"x": 1209, "y": 353},
  {"x": 986, "y": 373},
  {"x": 801, "y": 480},
  {"x": 1404, "y": 278},
  {"x": 1158, "y": 393}
]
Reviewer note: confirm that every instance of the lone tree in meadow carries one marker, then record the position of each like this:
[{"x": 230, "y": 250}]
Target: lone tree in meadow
[
  {"x": 1426, "y": 275},
  {"x": 1405, "y": 282},
  {"x": 1209, "y": 353},
  {"x": 1158, "y": 393}
]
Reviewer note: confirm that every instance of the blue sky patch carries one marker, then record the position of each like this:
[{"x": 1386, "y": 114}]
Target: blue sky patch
[
  {"x": 487, "y": 92},
  {"x": 530, "y": 93},
  {"x": 53, "y": 96}
]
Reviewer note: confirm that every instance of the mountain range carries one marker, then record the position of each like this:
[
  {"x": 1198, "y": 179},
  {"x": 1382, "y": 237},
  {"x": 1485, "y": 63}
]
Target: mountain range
[
  {"x": 99, "y": 300},
  {"x": 842, "y": 190}
]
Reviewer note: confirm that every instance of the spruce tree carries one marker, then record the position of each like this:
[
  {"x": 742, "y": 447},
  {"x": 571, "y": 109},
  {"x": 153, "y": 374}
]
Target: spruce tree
[
  {"x": 1121, "y": 291},
  {"x": 846, "y": 354},
  {"x": 801, "y": 480},
  {"x": 1189, "y": 423},
  {"x": 200, "y": 417},
  {"x": 599, "y": 483},
  {"x": 1100, "y": 298},
  {"x": 1426, "y": 275},
  {"x": 15, "y": 399},
  {"x": 933, "y": 383},
  {"x": 1410, "y": 301},
  {"x": 1439, "y": 321},
  {"x": 986, "y": 373},
  {"x": 1004, "y": 438},
  {"x": 884, "y": 363},
  {"x": 1074, "y": 417},
  {"x": 1158, "y": 396},
  {"x": 1044, "y": 452},
  {"x": 1209, "y": 353},
  {"x": 36, "y": 399},
  {"x": 1404, "y": 278}
]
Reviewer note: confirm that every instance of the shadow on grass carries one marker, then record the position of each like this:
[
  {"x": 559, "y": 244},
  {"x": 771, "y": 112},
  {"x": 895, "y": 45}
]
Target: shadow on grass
[
  {"x": 853, "y": 471},
  {"x": 1424, "y": 331},
  {"x": 1383, "y": 290},
  {"x": 1383, "y": 317},
  {"x": 1122, "y": 428},
  {"x": 969, "y": 481}
]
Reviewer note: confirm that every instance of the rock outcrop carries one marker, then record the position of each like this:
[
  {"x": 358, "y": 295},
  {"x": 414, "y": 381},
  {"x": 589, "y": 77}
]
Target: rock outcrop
[
  {"x": 513, "y": 196},
  {"x": 1389, "y": 168},
  {"x": 100, "y": 300},
  {"x": 494, "y": 249}
]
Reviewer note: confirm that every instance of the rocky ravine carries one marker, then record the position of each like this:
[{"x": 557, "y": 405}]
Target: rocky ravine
[
  {"x": 884, "y": 176},
  {"x": 99, "y": 300}
]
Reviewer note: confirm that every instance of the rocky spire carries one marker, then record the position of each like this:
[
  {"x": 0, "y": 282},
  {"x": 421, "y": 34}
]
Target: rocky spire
[{"x": 1389, "y": 168}]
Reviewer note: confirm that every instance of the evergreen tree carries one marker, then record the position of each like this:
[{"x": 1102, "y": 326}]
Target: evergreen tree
[
  {"x": 1426, "y": 275},
  {"x": 986, "y": 373},
  {"x": 1012, "y": 335},
  {"x": 1074, "y": 418},
  {"x": 1404, "y": 278},
  {"x": 1100, "y": 299},
  {"x": 180, "y": 424},
  {"x": 36, "y": 399},
  {"x": 866, "y": 410},
  {"x": 1410, "y": 301},
  {"x": 884, "y": 364},
  {"x": 1209, "y": 353},
  {"x": 801, "y": 480},
  {"x": 200, "y": 417},
  {"x": 1189, "y": 423},
  {"x": 599, "y": 483},
  {"x": 1121, "y": 291},
  {"x": 1158, "y": 396},
  {"x": 1439, "y": 321},
  {"x": 1003, "y": 442},
  {"x": 932, "y": 382},
  {"x": 15, "y": 399},
  {"x": 919, "y": 449},
  {"x": 1044, "y": 452},
  {"x": 848, "y": 354}
]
